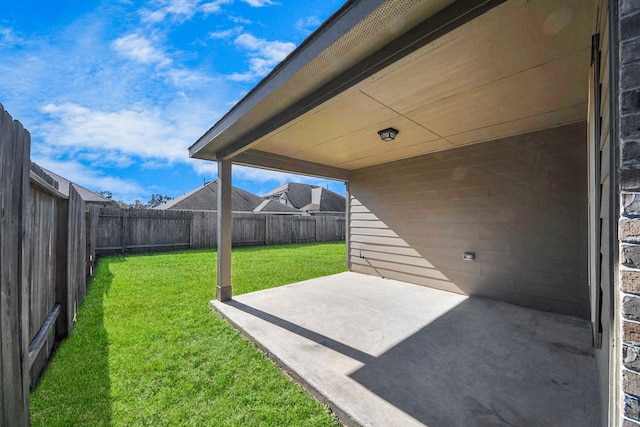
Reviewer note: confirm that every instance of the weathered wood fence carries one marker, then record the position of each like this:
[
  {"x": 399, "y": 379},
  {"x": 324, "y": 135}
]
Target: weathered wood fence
[
  {"x": 15, "y": 231},
  {"x": 58, "y": 269},
  {"x": 133, "y": 231},
  {"x": 49, "y": 241},
  {"x": 44, "y": 263}
]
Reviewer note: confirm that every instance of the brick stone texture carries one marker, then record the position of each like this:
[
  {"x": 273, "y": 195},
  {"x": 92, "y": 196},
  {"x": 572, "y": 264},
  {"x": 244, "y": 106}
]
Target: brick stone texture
[
  {"x": 631, "y": 151},
  {"x": 631, "y": 204},
  {"x": 630, "y": 255},
  {"x": 627, "y": 7},
  {"x": 629, "y": 423},
  {"x": 630, "y": 50},
  {"x": 629, "y": 76},
  {"x": 631, "y": 307},
  {"x": 629, "y": 179},
  {"x": 629, "y": 229},
  {"x": 629, "y": 223},
  {"x": 630, "y": 100},
  {"x": 630, "y": 26},
  {"x": 630, "y": 127},
  {"x": 631, "y": 332},
  {"x": 631, "y": 382},
  {"x": 631, "y": 357},
  {"x": 630, "y": 281},
  {"x": 631, "y": 406}
]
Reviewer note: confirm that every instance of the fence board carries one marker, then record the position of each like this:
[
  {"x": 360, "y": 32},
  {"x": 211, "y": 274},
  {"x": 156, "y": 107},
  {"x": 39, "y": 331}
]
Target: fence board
[
  {"x": 248, "y": 229},
  {"x": 43, "y": 272},
  {"x": 92, "y": 230},
  {"x": 204, "y": 229},
  {"x": 14, "y": 271},
  {"x": 76, "y": 255}
]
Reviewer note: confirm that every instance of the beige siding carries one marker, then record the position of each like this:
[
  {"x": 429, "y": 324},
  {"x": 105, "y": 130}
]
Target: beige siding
[
  {"x": 518, "y": 203},
  {"x": 601, "y": 285}
]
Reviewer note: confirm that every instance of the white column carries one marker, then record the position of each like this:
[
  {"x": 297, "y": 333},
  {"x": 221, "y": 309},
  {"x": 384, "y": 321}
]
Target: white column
[{"x": 223, "y": 288}]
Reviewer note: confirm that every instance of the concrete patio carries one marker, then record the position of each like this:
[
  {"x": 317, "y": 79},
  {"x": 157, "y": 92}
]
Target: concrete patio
[{"x": 386, "y": 353}]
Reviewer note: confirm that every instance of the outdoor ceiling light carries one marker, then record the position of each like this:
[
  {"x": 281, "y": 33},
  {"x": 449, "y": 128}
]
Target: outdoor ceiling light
[{"x": 388, "y": 134}]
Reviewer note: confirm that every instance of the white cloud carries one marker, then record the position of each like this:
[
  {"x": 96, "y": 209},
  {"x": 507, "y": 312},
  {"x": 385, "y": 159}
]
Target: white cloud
[
  {"x": 205, "y": 168},
  {"x": 140, "y": 49},
  {"x": 141, "y": 133},
  {"x": 308, "y": 24},
  {"x": 9, "y": 37},
  {"x": 214, "y": 6},
  {"x": 179, "y": 10},
  {"x": 264, "y": 55},
  {"x": 224, "y": 34},
  {"x": 187, "y": 78},
  {"x": 260, "y": 3},
  {"x": 239, "y": 20}
]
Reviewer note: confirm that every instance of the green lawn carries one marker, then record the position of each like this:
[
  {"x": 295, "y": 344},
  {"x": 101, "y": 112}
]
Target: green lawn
[{"x": 147, "y": 349}]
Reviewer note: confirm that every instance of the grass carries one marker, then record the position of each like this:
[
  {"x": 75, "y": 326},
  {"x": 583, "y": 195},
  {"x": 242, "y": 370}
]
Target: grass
[{"x": 148, "y": 350}]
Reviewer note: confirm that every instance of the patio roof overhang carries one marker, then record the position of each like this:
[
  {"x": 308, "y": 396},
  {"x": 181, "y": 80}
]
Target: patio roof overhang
[{"x": 444, "y": 73}]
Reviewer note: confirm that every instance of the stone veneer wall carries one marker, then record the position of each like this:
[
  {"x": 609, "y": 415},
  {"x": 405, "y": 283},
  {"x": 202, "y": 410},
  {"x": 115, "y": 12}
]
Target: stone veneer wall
[{"x": 628, "y": 29}]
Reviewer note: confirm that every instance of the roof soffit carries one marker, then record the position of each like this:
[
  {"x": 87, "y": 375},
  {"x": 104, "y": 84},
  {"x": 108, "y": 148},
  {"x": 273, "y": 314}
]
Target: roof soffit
[{"x": 307, "y": 69}]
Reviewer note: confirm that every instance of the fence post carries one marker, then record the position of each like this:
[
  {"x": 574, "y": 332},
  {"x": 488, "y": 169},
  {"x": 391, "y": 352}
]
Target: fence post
[
  {"x": 15, "y": 230},
  {"x": 123, "y": 231},
  {"x": 294, "y": 224}
]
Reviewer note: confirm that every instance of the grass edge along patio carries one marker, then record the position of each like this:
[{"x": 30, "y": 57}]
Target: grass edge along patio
[{"x": 148, "y": 350}]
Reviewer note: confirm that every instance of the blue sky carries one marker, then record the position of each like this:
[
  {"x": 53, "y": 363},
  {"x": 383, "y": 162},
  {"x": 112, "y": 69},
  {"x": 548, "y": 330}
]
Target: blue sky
[{"x": 114, "y": 92}]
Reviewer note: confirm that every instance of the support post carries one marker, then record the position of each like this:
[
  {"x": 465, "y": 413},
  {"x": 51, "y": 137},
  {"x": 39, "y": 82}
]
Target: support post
[
  {"x": 347, "y": 222},
  {"x": 223, "y": 288}
]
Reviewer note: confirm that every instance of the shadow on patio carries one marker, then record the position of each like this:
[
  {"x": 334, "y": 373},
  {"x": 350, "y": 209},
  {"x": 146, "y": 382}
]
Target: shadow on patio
[{"x": 383, "y": 352}]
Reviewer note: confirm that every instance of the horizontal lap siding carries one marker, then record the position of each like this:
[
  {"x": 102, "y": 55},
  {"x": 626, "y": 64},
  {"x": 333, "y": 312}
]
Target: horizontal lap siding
[{"x": 518, "y": 203}]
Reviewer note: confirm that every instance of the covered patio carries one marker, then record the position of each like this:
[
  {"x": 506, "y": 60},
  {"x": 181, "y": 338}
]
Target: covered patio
[
  {"x": 489, "y": 210},
  {"x": 384, "y": 352}
]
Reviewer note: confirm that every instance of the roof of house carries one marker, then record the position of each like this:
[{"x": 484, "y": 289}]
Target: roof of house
[
  {"x": 269, "y": 206},
  {"x": 310, "y": 198},
  {"x": 417, "y": 67},
  {"x": 63, "y": 186},
  {"x": 206, "y": 198}
]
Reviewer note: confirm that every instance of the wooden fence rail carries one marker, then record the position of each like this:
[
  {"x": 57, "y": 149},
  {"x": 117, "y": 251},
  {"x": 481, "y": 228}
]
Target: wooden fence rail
[{"x": 134, "y": 231}]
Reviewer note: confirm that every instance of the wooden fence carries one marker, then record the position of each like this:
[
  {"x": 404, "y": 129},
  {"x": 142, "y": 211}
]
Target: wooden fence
[
  {"x": 15, "y": 230},
  {"x": 48, "y": 244},
  {"x": 43, "y": 268},
  {"x": 133, "y": 231}
]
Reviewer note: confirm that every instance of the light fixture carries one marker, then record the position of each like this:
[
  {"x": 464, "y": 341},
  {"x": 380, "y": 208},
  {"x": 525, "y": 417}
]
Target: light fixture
[{"x": 388, "y": 134}]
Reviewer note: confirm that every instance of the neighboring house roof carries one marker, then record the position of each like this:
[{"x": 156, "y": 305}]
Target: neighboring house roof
[
  {"x": 308, "y": 198},
  {"x": 269, "y": 206},
  {"x": 206, "y": 198},
  {"x": 86, "y": 194}
]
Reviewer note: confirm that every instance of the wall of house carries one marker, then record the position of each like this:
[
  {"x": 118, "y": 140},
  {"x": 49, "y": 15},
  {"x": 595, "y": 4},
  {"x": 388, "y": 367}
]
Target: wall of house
[
  {"x": 518, "y": 204},
  {"x": 600, "y": 204},
  {"x": 626, "y": 120}
]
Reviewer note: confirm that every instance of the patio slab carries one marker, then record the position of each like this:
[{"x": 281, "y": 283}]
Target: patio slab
[{"x": 386, "y": 353}]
